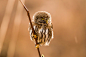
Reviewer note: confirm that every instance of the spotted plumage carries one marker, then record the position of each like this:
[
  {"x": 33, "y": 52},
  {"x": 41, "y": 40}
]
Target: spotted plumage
[{"x": 43, "y": 28}]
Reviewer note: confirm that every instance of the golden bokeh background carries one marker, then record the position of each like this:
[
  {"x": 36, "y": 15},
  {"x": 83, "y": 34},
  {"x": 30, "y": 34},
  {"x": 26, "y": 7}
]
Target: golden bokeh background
[{"x": 69, "y": 26}]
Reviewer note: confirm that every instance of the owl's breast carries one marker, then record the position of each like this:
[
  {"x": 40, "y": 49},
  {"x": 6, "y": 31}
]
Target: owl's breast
[{"x": 44, "y": 33}]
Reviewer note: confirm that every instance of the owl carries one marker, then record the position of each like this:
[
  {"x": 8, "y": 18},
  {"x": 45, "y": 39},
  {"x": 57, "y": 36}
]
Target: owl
[{"x": 43, "y": 28}]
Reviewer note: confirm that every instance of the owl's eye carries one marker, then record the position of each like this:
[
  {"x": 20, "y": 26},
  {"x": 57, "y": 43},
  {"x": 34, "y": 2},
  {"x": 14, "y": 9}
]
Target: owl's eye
[{"x": 42, "y": 18}]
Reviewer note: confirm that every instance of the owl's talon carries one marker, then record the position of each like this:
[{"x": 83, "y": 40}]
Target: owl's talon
[
  {"x": 37, "y": 46},
  {"x": 34, "y": 36}
]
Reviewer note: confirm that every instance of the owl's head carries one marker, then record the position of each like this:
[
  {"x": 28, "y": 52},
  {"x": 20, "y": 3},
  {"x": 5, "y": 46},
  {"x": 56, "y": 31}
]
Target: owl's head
[{"x": 42, "y": 17}]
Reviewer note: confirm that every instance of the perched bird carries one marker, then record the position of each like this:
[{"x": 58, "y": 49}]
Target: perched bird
[{"x": 43, "y": 28}]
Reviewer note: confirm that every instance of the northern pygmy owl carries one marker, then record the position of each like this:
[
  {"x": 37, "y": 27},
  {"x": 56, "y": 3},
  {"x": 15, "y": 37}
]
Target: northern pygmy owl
[{"x": 43, "y": 28}]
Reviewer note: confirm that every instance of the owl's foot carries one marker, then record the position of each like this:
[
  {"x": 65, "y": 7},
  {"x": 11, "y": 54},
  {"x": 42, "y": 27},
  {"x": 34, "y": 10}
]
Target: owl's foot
[
  {"x": 37, "y": 45},
  {"x": 34, "y": 36}
]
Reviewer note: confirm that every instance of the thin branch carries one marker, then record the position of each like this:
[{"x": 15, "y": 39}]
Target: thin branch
[
  {"x": 28, "y": 16},
  {"x": 31, "y": 25}
]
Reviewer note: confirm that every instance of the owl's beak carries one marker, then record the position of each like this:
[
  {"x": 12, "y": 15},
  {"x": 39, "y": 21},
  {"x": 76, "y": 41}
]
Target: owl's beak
[{"x": 44, "y": 21}]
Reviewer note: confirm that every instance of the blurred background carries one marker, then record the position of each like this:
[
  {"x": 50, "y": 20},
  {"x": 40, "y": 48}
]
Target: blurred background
[{"x": 69, "y": 26}]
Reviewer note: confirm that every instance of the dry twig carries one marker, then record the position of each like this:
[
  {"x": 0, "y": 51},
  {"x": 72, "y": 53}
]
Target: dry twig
[{"x": 31, "y": 26}]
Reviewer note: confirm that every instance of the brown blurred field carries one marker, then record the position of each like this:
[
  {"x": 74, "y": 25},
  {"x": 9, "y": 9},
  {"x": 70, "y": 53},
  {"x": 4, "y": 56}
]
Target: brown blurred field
[{"x": 69, "y": 26}]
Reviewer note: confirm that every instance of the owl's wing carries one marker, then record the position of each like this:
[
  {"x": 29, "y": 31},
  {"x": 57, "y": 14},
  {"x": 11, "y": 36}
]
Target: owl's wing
[
  {"x": 49, "y": 33},
  {"x": 45, "y": 35}
]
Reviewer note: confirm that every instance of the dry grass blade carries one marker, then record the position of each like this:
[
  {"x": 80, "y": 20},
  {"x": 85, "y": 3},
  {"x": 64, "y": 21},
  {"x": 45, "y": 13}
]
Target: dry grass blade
[
  {"x": 15, "y": 32},
  {"x": 5, "y": 21}
]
